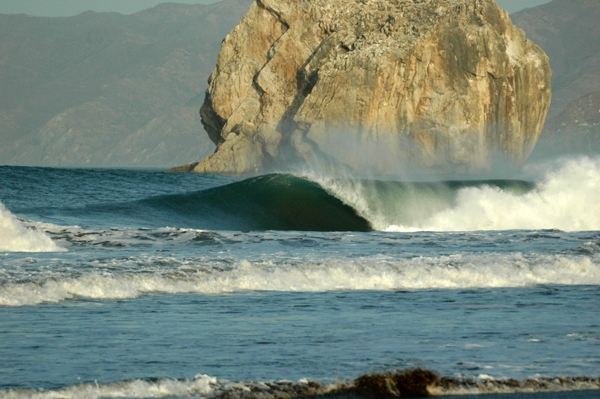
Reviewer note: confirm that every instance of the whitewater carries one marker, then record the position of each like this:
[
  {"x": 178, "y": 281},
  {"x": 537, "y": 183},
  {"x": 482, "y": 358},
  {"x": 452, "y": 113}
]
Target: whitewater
[
  {"x": 565, "y": 197},
  {"x": 16, "y": 237},
  {"x": 138, "y": 283}
]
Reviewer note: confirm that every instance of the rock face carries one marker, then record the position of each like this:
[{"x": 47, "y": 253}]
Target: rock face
[{"x": 375, "y": 84}]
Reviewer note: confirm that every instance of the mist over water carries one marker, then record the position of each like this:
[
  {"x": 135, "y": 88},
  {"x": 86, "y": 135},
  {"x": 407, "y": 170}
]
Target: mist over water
[{"x": 565, "y": 199}]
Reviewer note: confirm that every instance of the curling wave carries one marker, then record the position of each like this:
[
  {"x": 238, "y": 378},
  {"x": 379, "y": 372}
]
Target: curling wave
[
  {"x": 307, "y": 203},
  {"x": 565, "y": 198},
  {"x": 269, "y": 202}
]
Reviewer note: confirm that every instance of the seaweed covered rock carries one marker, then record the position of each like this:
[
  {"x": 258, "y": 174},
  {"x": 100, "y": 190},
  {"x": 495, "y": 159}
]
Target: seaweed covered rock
[
  {"x": 376, "y": 85},
  {"x": 411, "y": 383}
]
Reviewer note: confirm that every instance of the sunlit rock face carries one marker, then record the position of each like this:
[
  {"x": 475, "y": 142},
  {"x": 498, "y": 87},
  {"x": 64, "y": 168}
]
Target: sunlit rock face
[{"x": 375, "y": 84}]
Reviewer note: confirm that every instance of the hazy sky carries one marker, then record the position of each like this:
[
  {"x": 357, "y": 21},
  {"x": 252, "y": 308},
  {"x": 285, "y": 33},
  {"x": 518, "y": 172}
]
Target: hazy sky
[{"x": 54, "y": 8}]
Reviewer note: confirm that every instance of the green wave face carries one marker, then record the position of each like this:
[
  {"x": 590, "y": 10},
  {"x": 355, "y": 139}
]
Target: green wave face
[
  {"x": 287, "y": 202},
  {"x": 269, "y": 202}
]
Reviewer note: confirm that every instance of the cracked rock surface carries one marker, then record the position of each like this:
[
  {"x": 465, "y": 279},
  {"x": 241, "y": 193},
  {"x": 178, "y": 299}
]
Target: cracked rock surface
[{"x": 376, "y": 84}]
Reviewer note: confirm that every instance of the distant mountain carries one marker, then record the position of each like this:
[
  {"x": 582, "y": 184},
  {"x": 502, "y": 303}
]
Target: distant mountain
[
  {"x": 104, "y": 89},
  {"x": 576, "y": 130},
  {"x": 569, "y": 32}
]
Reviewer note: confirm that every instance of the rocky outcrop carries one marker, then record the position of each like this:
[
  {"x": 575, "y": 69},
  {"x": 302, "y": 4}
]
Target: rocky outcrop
[{"x": 377, "y": 84}]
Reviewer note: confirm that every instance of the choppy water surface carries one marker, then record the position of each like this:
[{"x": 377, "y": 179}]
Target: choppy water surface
[{"x": 143, "y": 284}]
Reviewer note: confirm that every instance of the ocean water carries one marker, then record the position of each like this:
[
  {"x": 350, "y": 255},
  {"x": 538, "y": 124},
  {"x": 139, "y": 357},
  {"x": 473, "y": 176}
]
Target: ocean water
[{"x": 139, "y": 283}]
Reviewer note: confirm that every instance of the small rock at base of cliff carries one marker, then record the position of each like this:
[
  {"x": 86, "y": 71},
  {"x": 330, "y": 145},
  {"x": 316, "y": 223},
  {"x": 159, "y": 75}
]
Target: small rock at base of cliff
[{"x": 376, "y": 85}]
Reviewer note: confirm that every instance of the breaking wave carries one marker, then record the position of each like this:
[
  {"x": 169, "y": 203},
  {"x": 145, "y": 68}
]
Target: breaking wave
[
  {"x": 444, "y": 272},
  {"x": 268, "y": 202},
  {"x": 565, "y": 199},
  {"x": 15, "y": 237},
  {"x": 155, "y": 388}
]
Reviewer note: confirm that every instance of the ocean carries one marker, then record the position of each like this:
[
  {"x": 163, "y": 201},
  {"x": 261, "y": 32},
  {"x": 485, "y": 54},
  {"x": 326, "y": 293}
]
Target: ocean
[{"x": 145, "y": 284}]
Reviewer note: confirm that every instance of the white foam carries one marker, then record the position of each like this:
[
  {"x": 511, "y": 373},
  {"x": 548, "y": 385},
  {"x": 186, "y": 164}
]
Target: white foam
[
  {"x": 445, "y": 272},
  {"x": 201, "y": 385},
  {"x": 567, "y": 197},
  {"x": 14, "y": 237}
]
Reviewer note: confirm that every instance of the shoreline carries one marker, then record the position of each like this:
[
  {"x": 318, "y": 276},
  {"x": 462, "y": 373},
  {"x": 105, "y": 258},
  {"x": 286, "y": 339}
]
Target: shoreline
[{"x": 411, "y": 383}]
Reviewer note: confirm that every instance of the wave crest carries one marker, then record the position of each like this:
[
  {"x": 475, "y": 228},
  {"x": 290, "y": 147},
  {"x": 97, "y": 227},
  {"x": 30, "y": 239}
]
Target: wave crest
[
  {"x": 157, "y": 388},
  {"x": 565, "y": 198},
  {"x": 15, "y": 237}
]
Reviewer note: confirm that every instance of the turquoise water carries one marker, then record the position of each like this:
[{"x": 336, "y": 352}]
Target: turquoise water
[{"x": 117, "y": 283}]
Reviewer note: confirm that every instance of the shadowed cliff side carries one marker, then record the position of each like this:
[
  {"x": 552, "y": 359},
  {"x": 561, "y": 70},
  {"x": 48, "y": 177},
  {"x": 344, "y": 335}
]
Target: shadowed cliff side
[{"x": 375, "y": 85}]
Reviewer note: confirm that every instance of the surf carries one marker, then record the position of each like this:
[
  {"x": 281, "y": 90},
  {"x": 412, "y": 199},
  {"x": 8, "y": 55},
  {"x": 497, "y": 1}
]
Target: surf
[
  {"x": 193, "y": 276},
  {"x": 564, "y": 196},
  {"x": 289, "y": 202},
  {"x": 15, "y": 237},
  {"x": 398, "y": 383},
  {"x": 561, "y": 196}
]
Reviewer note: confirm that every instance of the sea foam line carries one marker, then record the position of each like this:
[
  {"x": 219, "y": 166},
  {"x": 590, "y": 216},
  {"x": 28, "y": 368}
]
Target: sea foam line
[
  {"x": 200, "y": 385},
  {"x": 407, "y": 383},
  {"x": 446, "y": 272}
]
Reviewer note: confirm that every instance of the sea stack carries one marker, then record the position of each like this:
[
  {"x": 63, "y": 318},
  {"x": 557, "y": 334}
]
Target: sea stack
[{"x": 374, "y": 84}]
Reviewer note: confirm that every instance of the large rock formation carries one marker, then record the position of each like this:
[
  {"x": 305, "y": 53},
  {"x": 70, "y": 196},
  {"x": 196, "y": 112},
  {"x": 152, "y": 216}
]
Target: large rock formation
[{"x": 375, "y": 84}]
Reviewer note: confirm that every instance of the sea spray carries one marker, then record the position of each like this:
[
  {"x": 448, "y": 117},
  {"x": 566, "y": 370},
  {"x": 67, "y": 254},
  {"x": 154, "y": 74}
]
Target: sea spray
[
  {"x": 393, "y": 203},
  {"x": 14, "y": 237},
  {"x": 565, "y": 197}
]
